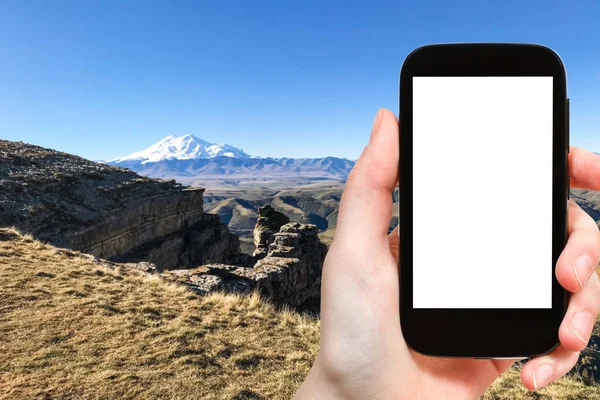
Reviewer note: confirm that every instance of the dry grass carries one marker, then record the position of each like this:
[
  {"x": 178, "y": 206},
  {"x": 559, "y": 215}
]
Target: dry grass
[
  {"x": 327, "y": 236},
  {"x": 509, "y": 387},
  {"x": 71, "y": 328}
]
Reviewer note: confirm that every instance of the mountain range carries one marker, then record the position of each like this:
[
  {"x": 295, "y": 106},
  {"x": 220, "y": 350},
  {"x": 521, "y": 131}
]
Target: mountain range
[
  {"x": 188, "y": 158},
  {"x": 187, "y": 147}
]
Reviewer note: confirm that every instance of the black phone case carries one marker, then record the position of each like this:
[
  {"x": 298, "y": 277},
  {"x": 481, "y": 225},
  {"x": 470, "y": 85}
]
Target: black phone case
[{"x": 483, "y": 333}]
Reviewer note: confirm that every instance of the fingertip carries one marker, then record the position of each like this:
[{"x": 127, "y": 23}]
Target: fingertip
[
  {"x": 541, "y": 371},
  {"x": 538, "y": 375},
  {"x": 387, "y": 114},
  {"x": 578, "y": 259},
  {"x": 377, "y": 166},
  {"x": 569, "y": 339},
  {"x": 584, "y": 169},
  {"x": 383, "y": 118},
  {"x": 566, "y": 276},
  {"x": 376, "y": 124},
  {"x": 527, "y": 377},
  {"x": 366, "y": 204},
  {"x": 576, "y": 328}
]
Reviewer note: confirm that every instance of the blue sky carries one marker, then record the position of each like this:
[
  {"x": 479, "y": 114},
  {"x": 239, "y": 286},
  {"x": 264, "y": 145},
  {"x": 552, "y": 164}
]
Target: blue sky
[{"x": 299, "y": 79}]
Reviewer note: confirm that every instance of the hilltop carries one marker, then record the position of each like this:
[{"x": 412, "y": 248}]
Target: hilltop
[
  {"x": 108, "y": 211},
  {"x": 115, "y": 214},
  {"x": 51, "y": 193}
]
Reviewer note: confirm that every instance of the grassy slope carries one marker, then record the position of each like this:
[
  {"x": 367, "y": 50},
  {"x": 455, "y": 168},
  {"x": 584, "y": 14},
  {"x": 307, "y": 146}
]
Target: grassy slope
[{"x": 71, "y": 328}]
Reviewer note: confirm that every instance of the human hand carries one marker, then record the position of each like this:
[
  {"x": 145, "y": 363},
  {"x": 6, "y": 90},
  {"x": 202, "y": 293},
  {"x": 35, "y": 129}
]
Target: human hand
[{"x": 362, "y": 352}]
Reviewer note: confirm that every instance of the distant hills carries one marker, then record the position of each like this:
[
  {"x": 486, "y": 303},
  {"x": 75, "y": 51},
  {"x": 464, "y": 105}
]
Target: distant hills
[
  {"x": 589, "y": 201},
  {"x": 316, "y": 203},
  {"x": 187, "y": 157}
]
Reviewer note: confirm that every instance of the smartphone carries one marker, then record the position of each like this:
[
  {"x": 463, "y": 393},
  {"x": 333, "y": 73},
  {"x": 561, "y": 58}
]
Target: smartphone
[{"x": 484, "y": 191}]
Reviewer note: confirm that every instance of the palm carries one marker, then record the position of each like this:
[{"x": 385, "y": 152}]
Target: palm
[
  {"x": 384, "y": 360},
  {"x": 363, "y": 353},
  {"x": 465, "y": 378}
]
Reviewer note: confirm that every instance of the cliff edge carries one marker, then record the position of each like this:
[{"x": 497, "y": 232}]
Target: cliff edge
[{"x": 107, "y": 211}]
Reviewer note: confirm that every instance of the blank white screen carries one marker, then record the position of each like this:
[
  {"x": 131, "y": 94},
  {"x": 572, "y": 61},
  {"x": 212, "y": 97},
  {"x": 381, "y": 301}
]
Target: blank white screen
[{"x": 482, "y": 192}]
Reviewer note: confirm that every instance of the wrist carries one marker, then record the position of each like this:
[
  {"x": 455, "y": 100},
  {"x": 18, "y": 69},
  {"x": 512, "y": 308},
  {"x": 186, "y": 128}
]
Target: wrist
[
  {"x": 316, "y": 386},
  {"x": 321, "y": 385}
]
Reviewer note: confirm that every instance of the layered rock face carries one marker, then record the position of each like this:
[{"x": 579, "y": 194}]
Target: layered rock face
[
  {"x": 207, "y": 240},
  {"x": 107, "y": 211},
  {"x": 139, "y": 222},
  {"x": 290, "y": 273},
  {"x": 269, "y": 222},
  {"x": 298, "y": 280},
  {"x": 153, "y": 225}
]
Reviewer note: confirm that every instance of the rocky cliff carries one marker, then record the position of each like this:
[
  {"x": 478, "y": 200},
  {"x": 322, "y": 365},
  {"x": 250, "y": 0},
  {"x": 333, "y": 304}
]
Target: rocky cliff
[
  {"x": 107, "y": 211},
  {"x": 290, "y": 273},
  {"x": 269, "y": 222},
  {"x": 117, "y": 215}
]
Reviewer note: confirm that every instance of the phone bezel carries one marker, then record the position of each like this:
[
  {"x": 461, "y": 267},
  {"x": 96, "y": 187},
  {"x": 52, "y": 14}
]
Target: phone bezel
[{"x": 485, "y": 333}]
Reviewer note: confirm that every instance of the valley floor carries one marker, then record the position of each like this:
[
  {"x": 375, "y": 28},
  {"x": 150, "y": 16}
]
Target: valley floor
[{"x": 73, "y": 328}]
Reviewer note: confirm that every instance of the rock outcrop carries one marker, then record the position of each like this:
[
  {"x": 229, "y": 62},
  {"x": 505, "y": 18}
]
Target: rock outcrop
[
  {"x": 152, "y": 225},
  {"x": 107, "y": 211},
  {"x": 298, "y": 280},
  {"x": 290, "y": 273},
  {"x": 269, "y": 222},
  {"x": 206, "y": 241}
]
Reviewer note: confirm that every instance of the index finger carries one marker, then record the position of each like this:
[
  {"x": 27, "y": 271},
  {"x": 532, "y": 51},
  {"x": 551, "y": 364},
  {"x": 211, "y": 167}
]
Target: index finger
[{"x": 584, "y": 168}]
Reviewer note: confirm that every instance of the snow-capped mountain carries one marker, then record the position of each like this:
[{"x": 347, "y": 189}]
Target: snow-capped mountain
[
  {"x": 188, "y": 158},
  {"x": 187, "y": 147}
]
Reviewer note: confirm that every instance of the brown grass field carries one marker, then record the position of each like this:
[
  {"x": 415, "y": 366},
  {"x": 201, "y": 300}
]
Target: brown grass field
[{"x": 74, "y": 329}]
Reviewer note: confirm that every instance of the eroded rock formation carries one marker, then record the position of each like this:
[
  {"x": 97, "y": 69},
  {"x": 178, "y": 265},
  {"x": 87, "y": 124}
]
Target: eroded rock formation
[
  {"x": 268, "y": 224},
  {"x": 290, "y": 273}
]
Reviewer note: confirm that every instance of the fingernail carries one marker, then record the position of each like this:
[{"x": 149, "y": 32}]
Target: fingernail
[
  {"x": 581, "y": 324},
  {"x": 377, "y": 121},
  {"x": 582, "y": 268},
  {"x": 542, "y": 375}
]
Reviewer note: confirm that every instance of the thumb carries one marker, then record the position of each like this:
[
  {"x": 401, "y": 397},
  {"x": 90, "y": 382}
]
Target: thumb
[
  {"x": 359, "y": 291},
  {"x": 359, "y": 267},
  {"x": 366, "y": 205}
]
